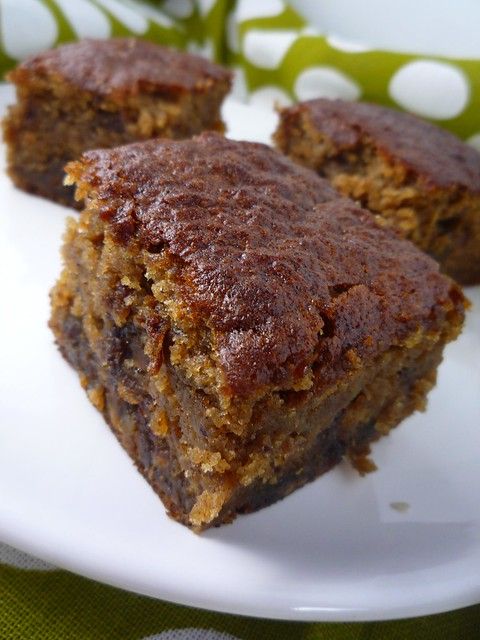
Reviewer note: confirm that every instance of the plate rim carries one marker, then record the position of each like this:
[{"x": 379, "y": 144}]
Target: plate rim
[
  {"x": 457, "y": 600},
  {"x": 16, "y": 530}
]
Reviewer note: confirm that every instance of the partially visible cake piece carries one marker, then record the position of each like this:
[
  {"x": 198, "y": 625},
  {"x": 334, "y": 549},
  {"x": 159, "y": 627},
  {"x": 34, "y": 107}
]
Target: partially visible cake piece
[
  {"x": 421, "y": 180},
  {"x": 104, "y": 93},
  {"x": 240, "y": 326}
]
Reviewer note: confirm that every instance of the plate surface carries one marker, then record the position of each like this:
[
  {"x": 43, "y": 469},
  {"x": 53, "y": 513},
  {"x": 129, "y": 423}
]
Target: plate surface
[{"x": 334, "y": 550}]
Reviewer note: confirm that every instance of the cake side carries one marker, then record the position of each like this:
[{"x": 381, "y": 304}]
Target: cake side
[
  {"x": 218, "y": 433},
  {"x": 96, "y": 94},
  {"x": 421, "y": 180},
  {"x": 208, "y": 481}
]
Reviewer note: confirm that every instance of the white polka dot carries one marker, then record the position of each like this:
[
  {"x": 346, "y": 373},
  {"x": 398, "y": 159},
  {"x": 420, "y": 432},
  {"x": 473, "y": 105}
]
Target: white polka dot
[
  {"x": 239, "y": 88},
  {"x": 325, "y": 82},
  {"x": 266, "y": 49},
  {"x": 191, "y": 633},
  {"x": 249, "y": 9},
  {"x": 310, "y": 31},
  {"x": 178, "y": 8},
  {"x": 131, "y": 18},
  {"x": 149, "y": 12},
  {"x": 26, "y": 28},
  {"x": 86, "y": 19},
  {"x": 432, "y": 89},
  {"x": 21, "y": 560},
  {"x": 342, "y": 44},
  {"x": 474, "y": 141},
  {"x": 205, "y": 50},
  {"x": 268, "y": 97},
  {"x": 205, "y": 6}
]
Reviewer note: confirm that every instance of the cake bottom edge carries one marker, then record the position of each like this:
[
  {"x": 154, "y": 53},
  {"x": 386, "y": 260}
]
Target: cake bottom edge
[{"x": 157, "y": 460}]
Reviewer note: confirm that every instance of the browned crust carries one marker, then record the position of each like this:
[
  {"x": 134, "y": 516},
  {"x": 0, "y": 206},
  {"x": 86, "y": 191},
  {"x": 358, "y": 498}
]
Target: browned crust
[
  {"x": 283, "y": 272},
  {"x": 435, "y": 155},
  {"x": 117, "y": 67}
]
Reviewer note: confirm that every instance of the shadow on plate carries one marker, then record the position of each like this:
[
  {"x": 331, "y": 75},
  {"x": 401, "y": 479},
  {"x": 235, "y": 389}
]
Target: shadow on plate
[{"x": 334, "y": 529}]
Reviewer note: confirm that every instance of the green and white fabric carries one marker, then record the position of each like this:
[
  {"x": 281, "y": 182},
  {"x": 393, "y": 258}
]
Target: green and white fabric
[
  {"x": 38, "y": 602},
  {"x": 278, "y": 56}
]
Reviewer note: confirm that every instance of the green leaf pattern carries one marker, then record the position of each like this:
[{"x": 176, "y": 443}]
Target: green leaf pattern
[{"x": 278, "y": 57}]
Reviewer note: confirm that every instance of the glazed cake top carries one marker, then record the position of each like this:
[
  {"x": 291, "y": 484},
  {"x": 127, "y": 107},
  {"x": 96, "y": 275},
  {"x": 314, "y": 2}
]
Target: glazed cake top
[
  {"x": 280, "y": 269},
  {"x": 435, "y": 155},
  {"x": 123, "y": 66}
]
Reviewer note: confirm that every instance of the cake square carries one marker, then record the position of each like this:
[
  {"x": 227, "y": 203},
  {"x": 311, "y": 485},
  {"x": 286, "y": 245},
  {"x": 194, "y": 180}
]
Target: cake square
[
  {"x": 419, "y": 179},
  {"x": 103, "y": 93},
  {"x": 241, "y": 327}
]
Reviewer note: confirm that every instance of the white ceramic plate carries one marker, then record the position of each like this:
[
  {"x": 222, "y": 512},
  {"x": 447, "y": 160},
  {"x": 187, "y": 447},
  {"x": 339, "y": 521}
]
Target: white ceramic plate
[{"x": 335, "y": 550}]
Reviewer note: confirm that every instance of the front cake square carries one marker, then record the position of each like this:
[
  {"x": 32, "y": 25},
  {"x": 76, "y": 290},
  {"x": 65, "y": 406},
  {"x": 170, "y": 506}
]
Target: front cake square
[{"x": 240, "y": 326}]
